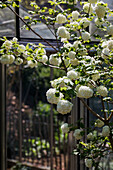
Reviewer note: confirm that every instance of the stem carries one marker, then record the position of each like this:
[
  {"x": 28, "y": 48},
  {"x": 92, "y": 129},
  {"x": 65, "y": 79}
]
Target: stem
[
  {"x": 103, "y": 108},
  {"x": 32, "y": 29},
  {"x": 94, "y": 113},
  {"x": 110, "y": 116},
  {"x": 50, "y": 65},
  {"x": 111, "y": 140}
]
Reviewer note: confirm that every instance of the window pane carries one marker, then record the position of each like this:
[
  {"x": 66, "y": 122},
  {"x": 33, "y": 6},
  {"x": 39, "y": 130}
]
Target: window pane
[
  {"x": 40, "y": 28},
  {"x": 7, "y": 23}
]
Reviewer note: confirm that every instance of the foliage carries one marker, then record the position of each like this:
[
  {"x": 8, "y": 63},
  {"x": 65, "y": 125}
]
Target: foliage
[{"x": 88, "y": 66}]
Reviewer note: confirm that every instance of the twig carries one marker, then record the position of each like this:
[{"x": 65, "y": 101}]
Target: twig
[
  {"x": 103, "y": 108},
  {"x": 32, "y": 29},
  {"x": 110, "y": 116},
  {"x": 94, "y": 113}
]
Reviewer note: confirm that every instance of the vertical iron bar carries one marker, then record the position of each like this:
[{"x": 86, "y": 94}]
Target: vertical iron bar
[
  {"x": 20, "y": 114},
  {"x": 3, "y": 152},
  {"x": 51, "y": 124},
  {"x": 17, "y": 22}
]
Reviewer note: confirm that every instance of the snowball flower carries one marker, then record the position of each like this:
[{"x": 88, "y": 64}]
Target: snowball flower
[
  {"x": 54, "y": 60},
  {"x": 85, "y": 92},
  {"x": 100, "y": 9},
  {"x": 95, "y": 76},
  {"x": 51, "y": 97},
  {"x": 88, "y": 8},
  {"x": 18, "y": 61},
  {"x": 60, "y": 18},
  {"x": 64, "y": 106},
  {"x": 92, "y": 1},
  {"x": 88, "y": 162},
  {"x": 62, "y": 32},
  {"x": 7, "y": 44},
  {"x": 90, "y": 136},
  {"x": 102, "y": 90},
  {"x": 5, "y": 59},
  {"x": 110, "y": 44},
  {"x": 85, "y": 36},
  {"x": 105, "y": 131},
  {"x": 105, "y": 53},
  {"x": 14, "y": 40},
  {"x": 84, "y": 22},
  {"x": 77, "y": 134},
  {"x": 110, "y": 30},
  {"x": 76, "y": 44},
  {"x": 65, "y": 128},
  {"x": 72, "y": 54},
  {"x": 12, "y": 58},
  {"x": 44, "y": 59},
  {"x": 99, "y": 123},
  {"x": 72, "y": 74},
  {"x": 99, "y": 21},
  {"x": 75, "y": 15},
  {"x": 21, "y": 48},
  {"x": 74, "y": 25},
  {"x": 74, "y": 62},
  {"x": 32, "y": 63}
]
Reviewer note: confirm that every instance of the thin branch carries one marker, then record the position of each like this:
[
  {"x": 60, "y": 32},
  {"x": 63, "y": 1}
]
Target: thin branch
[
  {"x": 32, "y": 29},
  {"x": 50, "y": 65},
  {"x": 103, "y": 108},
  {"x": 110, "y": 116},
  {"x": 94, "y": 113}
]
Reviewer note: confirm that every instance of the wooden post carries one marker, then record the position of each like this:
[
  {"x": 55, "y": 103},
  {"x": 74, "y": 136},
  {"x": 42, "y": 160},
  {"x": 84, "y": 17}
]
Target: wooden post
[{"x": 3, "y": 149}]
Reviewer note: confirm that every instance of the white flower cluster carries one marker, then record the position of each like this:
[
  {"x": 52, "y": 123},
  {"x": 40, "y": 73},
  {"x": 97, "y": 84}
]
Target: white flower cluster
[
  {"x": 88, "y": 162},
  {"x": 63, "y": 33},
  {"x": 105, "y": 53},
  {"x": 65, "y": 128},
  {"x": 110, "y": 30},
  {"x": 85, "y": 36},
  {"x": 72, "y": 54},
  {"x": 54, "y": 60},
  {"x": 7, "y": 59},
  {"x": 76, "y": 44},
  {"x": 95, "y": 76},
  {"x": 51, "y": 96},
  {"x": 100, "y": 9},
  {"x": 99, "y": 123},
  {"x": 61, "y": 82},
  {"x": 64, "y": 106},
  {"x": 61, "y": 18},
  {"x": 32, "y": 63},
  {"x": 72, "y": 74},
  {"x": 7, "y": 44},
  {"x": 84, "y": 22},
  {"x": 43, "y": 59},
  {"x": 18, "y": 61},
  {"x": 102, "y": 90},
  {"x": 110, "y": 44},
  {"x": 75, "y": 15},
  {"x": 99, "y": 21},
  {"x": 21, "y": 48},
  {"x": 106, "y": 131},
  {"x": 77, "y": 134},
  {"x": 84, "y": 92},
  {"x": 88, "y": 8},
  {"x": 90, "y": 136}
]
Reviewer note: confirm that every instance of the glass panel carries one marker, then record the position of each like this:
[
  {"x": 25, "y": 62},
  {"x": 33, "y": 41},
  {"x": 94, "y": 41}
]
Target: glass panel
[
  {"x": 7, "y": 23},
  {"x": 40, "y": 28}
]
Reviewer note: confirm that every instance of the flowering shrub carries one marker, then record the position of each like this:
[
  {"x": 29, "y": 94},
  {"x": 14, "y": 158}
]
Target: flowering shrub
[{"x": 87, "y": 75}]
